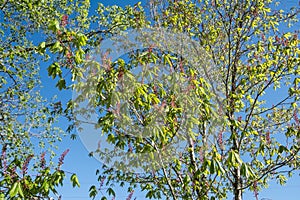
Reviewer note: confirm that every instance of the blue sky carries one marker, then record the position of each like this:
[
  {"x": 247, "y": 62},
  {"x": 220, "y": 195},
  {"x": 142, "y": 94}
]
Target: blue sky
[{"x": 79, "y": 162}]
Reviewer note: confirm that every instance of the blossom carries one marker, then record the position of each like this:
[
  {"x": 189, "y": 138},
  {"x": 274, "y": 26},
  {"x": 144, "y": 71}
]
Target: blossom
[
  {"x": 62, "y": 157},
  {"x": 130, "y": 195},
  {"x": 25, "y": 164},
  {"x": 64, "y": 20}
]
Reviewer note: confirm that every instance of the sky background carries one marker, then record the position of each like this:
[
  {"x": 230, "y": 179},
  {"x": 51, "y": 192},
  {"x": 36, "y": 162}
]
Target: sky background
[{"x": 78, "y": 161}]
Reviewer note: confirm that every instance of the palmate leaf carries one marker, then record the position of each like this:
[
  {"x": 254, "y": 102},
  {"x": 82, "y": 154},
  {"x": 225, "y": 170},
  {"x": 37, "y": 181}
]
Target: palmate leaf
[{"x": 75, "y": 181}]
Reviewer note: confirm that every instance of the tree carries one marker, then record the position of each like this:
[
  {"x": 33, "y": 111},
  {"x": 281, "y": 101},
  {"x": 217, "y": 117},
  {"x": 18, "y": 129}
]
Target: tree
[
  {"x": 237, "y": 137},
  {"x": 187, "y": 106},
  {"x": 28, "y": 133}
]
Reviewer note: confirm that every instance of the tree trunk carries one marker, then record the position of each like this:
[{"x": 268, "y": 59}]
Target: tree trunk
[{"x": 237, "y": 185}]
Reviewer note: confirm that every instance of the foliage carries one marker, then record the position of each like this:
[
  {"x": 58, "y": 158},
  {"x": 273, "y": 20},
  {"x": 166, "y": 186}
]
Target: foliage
[
  {"x": 238, "y": 137},
  {"x": 27, "y": 120}
]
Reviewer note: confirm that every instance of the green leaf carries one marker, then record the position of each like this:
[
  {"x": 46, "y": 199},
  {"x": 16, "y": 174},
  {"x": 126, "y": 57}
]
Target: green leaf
[
  {"x": 282, "y": 149},
  {"x": 46, "y": 186},
  {"x": 167, "y": 59},
  {"x": 82, "y": 39},
  {"x": 220, "y": 168},
  {"x": 56, "y": 47},
  {"x": 14, "y": 190},
  {"x": 54, "y": 25},
  {"x": 74, "y": 180},
  {"x": 41, "y": 48},
  {"x": 61, "y": 84},
  {"x": 237, "y": 158},
  {"x": 110, "y": 191},
  {"x": 93, "y": 191},
  {"x": 54, "y": 70},
  {"x": 43, "y": 45},
  {"x": 244, "y": 170}
]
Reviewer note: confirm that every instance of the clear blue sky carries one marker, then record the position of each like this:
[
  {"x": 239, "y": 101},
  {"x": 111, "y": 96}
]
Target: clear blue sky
[{"x": 77, "y": 160}]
